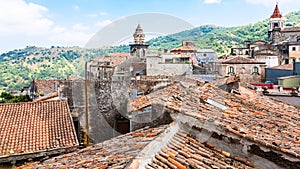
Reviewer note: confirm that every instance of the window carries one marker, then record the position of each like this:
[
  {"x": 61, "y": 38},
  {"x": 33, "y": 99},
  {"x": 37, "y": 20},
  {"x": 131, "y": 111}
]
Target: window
[
  {"x": 230, "y": 70},
  {"x": 168, "y": 60},
  {"x": 293, "y": 48},
  {"x": 255, "y": 70}
]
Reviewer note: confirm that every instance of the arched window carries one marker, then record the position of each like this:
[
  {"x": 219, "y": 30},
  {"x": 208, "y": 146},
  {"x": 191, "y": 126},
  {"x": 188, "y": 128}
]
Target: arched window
[
  {"x": 255, "y": 70},
  {"x": 230, "y": 70}
]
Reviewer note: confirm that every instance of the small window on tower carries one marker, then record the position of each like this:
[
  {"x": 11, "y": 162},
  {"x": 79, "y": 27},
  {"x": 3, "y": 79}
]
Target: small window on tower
[
  {"x": 276, "y": 25},
  {"x": 294, "y": 49}
]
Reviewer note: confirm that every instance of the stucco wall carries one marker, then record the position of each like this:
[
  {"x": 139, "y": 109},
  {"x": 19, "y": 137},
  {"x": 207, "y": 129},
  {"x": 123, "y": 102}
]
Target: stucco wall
[
  {"x": 273, "y": 74},
  {"x": 289, "y": 82},
  {"x": 296, "y": 52},
  {"x": 156, "y": 67}
]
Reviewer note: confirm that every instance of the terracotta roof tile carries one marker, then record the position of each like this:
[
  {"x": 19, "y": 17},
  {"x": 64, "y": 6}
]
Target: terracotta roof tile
[
  {"x": 283, "y": 67},
  {"x": 249, "y": 115},
  {"x": 46, "y": 86},
  {"x": 117, "y": 152},
  {"x": 291, "y": 29},
  {"x": 185, "y": 48},
  {"x": 28, "y": 128},
  {"x": 47, "y": 97},
  {"x": 276, "y": 13},
  {"x": 110, "y": 60},
  {"x": 185, "y": 150},
  {"x": 240, "y": 60}
]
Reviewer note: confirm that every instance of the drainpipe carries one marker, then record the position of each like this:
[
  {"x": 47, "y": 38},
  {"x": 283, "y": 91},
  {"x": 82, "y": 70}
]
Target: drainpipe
[{"x": 294, "y": 66}]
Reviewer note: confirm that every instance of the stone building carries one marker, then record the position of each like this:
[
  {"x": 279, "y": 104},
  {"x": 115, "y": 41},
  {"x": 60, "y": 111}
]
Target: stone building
[
  {"x": 250, "y": 71},
  {"x": 285, "y": 38},
  {"x": 139, "y": 46},
  {"x": 283, "y": 46},
  {"x": 211, "y": 128}
]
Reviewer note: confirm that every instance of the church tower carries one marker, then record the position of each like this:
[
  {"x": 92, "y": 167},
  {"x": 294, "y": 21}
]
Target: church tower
[
  {"x": 139, "y": 47},
  {"x": 276, "y": 25}
]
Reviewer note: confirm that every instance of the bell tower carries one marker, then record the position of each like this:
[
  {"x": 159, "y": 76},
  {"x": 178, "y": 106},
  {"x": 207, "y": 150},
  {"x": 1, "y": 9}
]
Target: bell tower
[
  {"x": 139, "y": 47},
  {"x": 275, "y": 24},
  {"x": 276, "y": 19}
]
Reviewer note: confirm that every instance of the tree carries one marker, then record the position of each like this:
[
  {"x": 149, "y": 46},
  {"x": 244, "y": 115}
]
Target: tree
[
  {"x": 6, "y": 96},
  {"x": 20, "y": 98}
]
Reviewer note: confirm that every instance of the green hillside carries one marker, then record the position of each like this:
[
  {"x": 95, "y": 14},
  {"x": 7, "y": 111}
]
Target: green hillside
[
  {"x": 17, "y": 67},
  {"x": 20, "y": 65},
  {"x": 218, "y": 38}
]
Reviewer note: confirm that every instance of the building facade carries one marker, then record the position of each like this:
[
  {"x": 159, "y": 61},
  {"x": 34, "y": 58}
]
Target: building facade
[
  {"x": 139, "y": 46},
  {"x": 250, "y": 71}
]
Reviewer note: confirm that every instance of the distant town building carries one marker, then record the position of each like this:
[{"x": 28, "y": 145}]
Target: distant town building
[
  {"x": 250, "y": 71},
  {"x": 283, "y": 46},
  {"x": 187, "y": 47},
  {"x": 168, "y": 64},
  {"x": 207, "y": 62},
  {"x": 273, "y": 73},
  {"x": 206, "y": 55},
  {"x": 285, "y": 38}
]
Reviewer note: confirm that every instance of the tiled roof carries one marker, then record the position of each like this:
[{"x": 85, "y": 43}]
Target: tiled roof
[
  {"x": 283, "y": 67},
  {"x": 276, "y": 13},
  {"x": 113, "y": 59},
  {"x": 250, "y": 116},
  {"x": 185, "y": 150},
  {"x": 46, "y": 86},
  {"x": 49, "y": 96},
  {"x": 119, "y": 54},
  {"x": 185, "y": 48},
  {"x": 35, "y": 128},
  {"x": 74, "y": 78},
  {"x": 114, "y": 153},
  {"x": 240, "y": 60},
  {"x": 291, "y": 29}
]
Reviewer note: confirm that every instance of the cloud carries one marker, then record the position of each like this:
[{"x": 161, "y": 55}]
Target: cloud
[
  {"x": 103, "y": 13},
  {"x": 103, "y": 23},
  {"x": 80, "y": 27},
  {"x": 76, "y": 7},
  {"x": 212, "y": 1},
  {"x": 19, "y": 17},
  {"x": 23, "y": 23}
]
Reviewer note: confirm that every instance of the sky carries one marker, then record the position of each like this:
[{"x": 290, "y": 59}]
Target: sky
[{"x": 73, "y": 22}]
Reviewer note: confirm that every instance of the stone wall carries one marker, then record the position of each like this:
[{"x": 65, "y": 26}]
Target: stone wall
[{"x": 245, "y": 72}]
